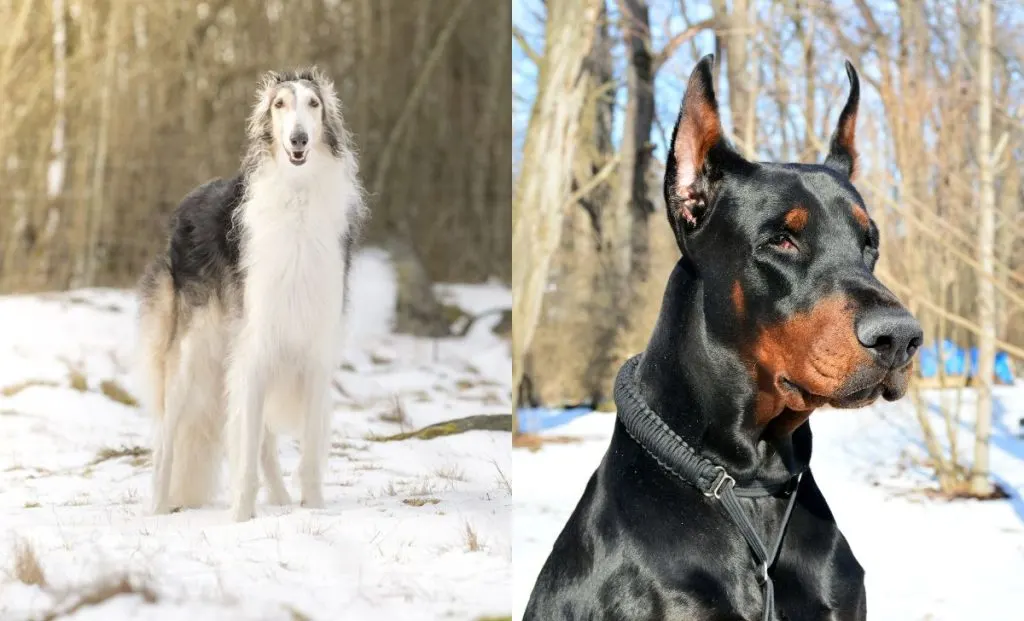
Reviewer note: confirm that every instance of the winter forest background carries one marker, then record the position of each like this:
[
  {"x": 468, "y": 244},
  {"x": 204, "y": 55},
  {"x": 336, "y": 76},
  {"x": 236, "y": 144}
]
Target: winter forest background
[
  {"x": 113, "y": 109},
  {"x": 940, "y": 133}
]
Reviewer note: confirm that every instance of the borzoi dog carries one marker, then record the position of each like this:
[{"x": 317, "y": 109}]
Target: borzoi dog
[{"x": 241, "y": 318}]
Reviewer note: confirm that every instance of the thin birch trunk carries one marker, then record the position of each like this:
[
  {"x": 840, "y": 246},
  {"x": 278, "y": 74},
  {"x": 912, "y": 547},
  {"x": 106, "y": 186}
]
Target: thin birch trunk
[
  {"x": 980, "y": 484},
  {"x": 636, "y": 147},
  {"x": 97, "y": 205}
]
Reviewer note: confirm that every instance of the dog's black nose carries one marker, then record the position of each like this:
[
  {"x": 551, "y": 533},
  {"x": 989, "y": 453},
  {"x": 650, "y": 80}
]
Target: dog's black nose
[
  {"x": 892, "y": 335},
  {"x": 299, "y": 140}
]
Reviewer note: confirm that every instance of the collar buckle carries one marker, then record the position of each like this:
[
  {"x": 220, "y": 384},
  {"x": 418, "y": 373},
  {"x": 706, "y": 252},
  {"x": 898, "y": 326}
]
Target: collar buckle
[
  {"x": 763, "y": 576},
  {"x": 720, "y": 482}
]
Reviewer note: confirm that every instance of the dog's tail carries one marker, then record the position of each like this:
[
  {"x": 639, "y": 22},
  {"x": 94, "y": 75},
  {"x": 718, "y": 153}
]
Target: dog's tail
[
  {"x": 196, "y": 438},
  {"x": 157, "y": 319}
]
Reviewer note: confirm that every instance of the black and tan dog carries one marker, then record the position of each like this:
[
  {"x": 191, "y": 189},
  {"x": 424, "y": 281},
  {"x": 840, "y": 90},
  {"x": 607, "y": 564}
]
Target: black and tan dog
[{"x": 772, "y": 311}]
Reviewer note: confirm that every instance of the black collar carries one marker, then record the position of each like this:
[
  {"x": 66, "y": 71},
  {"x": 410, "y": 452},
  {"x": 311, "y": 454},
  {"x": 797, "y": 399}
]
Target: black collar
[{"x": 680, "y": 459}]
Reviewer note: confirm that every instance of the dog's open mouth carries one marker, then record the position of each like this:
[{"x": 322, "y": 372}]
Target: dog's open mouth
[{"x": 298, "y": 158}]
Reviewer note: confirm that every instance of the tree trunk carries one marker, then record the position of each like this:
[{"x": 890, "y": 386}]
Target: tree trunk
[
  {"x": 570, "y": 353},
  {"x": 733, "y": 32},
  {"x": 97, "y": 203},
  {"x": 980, "y": 484},
  {"x": 636, "y": 147},
  {"x": 544, "y": 179}
]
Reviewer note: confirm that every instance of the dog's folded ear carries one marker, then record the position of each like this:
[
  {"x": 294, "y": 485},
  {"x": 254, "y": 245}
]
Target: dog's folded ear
[
  {"x": 698, "y": 154},
  {"x": 842, "y": 154}
]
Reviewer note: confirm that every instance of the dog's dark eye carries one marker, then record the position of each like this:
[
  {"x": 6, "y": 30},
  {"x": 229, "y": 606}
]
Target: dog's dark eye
[
  {"x": 279, "y": 103},
  {"x": 314, "y": 103},
  {"x": 782, "y": 241}
]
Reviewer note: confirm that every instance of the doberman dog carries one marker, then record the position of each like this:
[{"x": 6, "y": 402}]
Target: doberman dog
[{"x": 772, "y": 311}]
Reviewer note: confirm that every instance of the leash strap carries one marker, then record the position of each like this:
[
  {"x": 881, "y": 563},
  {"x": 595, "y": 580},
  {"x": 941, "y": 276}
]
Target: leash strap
[
  {"x": 673, "y": 454},
  {"x": 765, "y": 557}
]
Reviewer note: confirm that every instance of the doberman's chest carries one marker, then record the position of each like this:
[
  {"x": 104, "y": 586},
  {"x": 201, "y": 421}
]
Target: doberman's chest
[
  {"x": 688, "y": 563},
  {"x": 635, "y": 590}
]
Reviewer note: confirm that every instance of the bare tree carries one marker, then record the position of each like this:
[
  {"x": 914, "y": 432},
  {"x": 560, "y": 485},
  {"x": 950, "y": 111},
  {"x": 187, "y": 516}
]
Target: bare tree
[
  {"x": 980, "y": 484},
  {"x": 542, "y": 191},
  {"x": 141, "y": 101},
  {"x": 636, "y": 146}
]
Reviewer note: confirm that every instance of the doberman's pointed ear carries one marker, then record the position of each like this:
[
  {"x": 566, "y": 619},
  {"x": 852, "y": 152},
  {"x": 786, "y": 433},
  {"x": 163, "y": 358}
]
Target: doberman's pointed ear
[
  {"x": 842, "y": 153},
  {"x": 698, "y": 153}
]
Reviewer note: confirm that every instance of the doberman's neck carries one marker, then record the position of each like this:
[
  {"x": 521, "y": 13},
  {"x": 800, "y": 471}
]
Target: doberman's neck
[{"x": 702, "y": 389}]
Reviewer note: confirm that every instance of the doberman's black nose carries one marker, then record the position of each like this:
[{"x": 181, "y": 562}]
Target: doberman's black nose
[
  {"x": 892, "y": 335},
  {"x": 299, "y": 140}
]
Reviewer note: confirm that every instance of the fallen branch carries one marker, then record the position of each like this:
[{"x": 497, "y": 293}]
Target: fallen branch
[
  {"x": 473, "y": 319},
  {"x": 480, "y": 422}
]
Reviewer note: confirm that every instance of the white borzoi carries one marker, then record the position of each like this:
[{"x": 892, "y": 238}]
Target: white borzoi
[{"x": 241, "y": 318}]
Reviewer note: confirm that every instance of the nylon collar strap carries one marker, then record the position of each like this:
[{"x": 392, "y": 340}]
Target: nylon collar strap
[{"x": 680, "y": 459}]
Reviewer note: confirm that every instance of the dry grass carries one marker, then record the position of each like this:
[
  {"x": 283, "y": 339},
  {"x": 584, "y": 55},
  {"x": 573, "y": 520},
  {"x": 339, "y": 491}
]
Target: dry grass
[
  {"x": 535, "y": 442},
  {"x": 381, "y": 358},
  {"x": 451, "y": 473},
  {"x": 77, "y": 380},
  {"x": 101, "y": 592},
  {"x": 425, "y": 488},
  {"x": 113, "y": 391},
  {"x": 368, "y": 467},
  {"x": 419, "y": 502},
  {"x": 26, "y": 565},
  {"x": 298, "y": 616},
  {"x": 349, "y": 446},
  {"x": 314, "y": 528},
  {"x": 503, "y": 481},
  {"x": 472, "y": 539},
  {"x": 138, "y": 454},
  {"x": 466, "y": 384},
  {"x": 13, "y": 389},
  {"x": 395, "y": 414}
]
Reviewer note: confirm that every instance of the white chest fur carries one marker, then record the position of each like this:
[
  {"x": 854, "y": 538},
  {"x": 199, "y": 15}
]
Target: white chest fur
[{"x": 293, "y": 224}]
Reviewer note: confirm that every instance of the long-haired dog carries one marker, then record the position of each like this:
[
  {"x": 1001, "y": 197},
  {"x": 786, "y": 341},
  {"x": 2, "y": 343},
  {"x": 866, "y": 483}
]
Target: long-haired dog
[{"x": 241, "y": 318}]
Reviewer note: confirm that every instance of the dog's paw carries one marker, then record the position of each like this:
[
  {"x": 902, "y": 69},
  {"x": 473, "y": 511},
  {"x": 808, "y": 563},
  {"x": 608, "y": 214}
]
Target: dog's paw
[
  {"x": 242, "y": 514},
  {"x": 313, "y": 501},
  {"x": 278, "y": 497},
  {"x": 163, "y": 508}
]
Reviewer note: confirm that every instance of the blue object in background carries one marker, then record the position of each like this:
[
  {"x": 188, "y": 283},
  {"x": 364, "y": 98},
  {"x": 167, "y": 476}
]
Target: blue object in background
[
  {"x": 532, "y": 420},
  {"x": 928, "y": 361},
  {"x": 956, "y": 361},
  {"x": 1004, "y": 367}
]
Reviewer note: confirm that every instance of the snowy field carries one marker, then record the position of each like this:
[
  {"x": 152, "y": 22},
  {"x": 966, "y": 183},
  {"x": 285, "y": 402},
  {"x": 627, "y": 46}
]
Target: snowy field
[
  {"x": 413, "y": 529},
  {"x": 925, "y": 559}
]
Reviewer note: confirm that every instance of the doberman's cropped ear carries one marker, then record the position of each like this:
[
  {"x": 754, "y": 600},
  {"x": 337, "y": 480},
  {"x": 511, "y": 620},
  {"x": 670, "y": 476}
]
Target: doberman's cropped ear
[
  {"x": 842, "y": 153},
  {"x": 698, "y": 154}
]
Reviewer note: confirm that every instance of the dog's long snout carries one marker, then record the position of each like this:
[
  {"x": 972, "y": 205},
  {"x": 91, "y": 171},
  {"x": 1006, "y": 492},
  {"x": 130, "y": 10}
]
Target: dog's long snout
[
  {"x": 299, "y": 140},
  {"x": 891, "y": 334}
]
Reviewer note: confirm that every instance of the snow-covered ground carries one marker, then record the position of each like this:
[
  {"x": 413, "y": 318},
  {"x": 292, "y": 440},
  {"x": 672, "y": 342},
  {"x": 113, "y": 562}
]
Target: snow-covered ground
[
  {"x": 413, "y": 529},
  {"x": 925, "y": 559}
]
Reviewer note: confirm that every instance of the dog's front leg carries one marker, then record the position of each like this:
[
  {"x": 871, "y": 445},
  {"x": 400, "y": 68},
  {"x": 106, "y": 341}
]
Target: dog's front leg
[
  {"x": 316, "y": 436},
  {"x": 246, "y": 391},
  {"x": 277, "y": 492}
]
